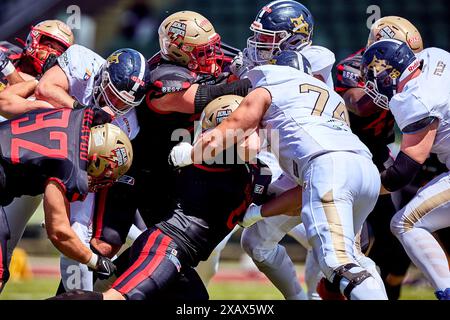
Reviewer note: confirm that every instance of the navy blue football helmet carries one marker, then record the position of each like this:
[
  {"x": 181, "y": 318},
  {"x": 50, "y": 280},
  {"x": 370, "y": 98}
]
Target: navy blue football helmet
[
  {"x": 293, "y": 59},
  {"x": 384, "y": 64},
  {"x": 279, "y": 25},
  {"x": 123, "y": 81}
]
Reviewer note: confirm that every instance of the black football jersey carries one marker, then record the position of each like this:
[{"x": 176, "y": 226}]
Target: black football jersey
[
  {"x": 376, "y": 130},
  {"x": 209, "y": 203},
  {"x": 46, "y": 144}
]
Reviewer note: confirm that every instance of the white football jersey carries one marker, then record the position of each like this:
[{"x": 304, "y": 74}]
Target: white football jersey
[
  {"x": 310, "y": 118},
  {"x": 322, "y": 61},
  {"x": 428, "y": 96},
  {"x": 81, "y": 66}
]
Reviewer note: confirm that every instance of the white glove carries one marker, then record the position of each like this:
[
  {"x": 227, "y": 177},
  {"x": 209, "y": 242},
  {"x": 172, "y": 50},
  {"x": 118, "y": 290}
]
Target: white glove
[
  {"x": 180, "y": 156},
  {"x": 252, "y": 216},
  {"x": 6, "y": 66},
  {"x": 237, "y": 63}
]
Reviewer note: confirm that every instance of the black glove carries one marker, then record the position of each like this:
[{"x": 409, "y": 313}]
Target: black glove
[
  {"x": 349, "y": 71},
  {"x": 104, "y": 268}
]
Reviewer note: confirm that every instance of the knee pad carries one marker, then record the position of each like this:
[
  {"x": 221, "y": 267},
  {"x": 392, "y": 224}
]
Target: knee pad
[
  {"x": 443, "y": 295},
  {"x": 354, "y": 279}
]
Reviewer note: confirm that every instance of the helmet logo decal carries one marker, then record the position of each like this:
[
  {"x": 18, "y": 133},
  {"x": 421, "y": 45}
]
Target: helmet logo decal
[
  {"x": 114, "y": 58},
  {"x": 385, "y": 33},
  {"x": 139, "y": 81},
  {"x": 301, "y": 26},
  {"x": 118, "y": 156},
  {"x": 222, "y": 115},
  {"x": 177, "y": 30},
  {"x": 378, "y": 65}
]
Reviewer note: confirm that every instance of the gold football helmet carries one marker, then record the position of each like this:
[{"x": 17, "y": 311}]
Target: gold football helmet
[
  {"x": 188, "y": 38},
  {"x": 39, "y": 50},
  {"x": 393, "y": 27},
  {"x": 219, "y": 109},
  {"x": 110, "y": 155}
]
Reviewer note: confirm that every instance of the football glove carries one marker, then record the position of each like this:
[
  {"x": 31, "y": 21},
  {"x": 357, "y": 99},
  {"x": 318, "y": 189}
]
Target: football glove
[
  {"x": 349, "y": 72},
  {"x": 180, "y": 156},
  {"x": 101, "y": 266},
  {"x": 252, "y": 216}
]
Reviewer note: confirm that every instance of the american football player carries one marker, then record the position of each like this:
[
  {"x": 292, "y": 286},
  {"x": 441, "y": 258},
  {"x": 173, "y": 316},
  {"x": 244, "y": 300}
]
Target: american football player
[
  {"x": 46, "y": 41},
  {"x": 375, "y": 127},
  {"x": 415, "y": 89},
  {"x": 334, "y": 205},
  {"x": 118, "y": 84},
  {"x": 76, "y": 159},
  {"x": 280, "y": 26},
  {"x": 161, "y": 256},
  {"x": 190, "y": 70}
]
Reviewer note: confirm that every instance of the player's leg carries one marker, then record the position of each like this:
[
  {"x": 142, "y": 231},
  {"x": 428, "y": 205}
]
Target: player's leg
[
  {"x": 74, "y": 274},
  {"x": 336, "y": 201},
  {"x": 207, "y": 269},
  {"x": 313, "y": 274},
  {"x": 427, "y": 212},
  {"x": 4, "y": 238},
  {"x": 13, "y": 220},
  {"x": 18, "y": 213},
  {"x": 155, "y": 266},
  {"x": 261, "y": 243}
]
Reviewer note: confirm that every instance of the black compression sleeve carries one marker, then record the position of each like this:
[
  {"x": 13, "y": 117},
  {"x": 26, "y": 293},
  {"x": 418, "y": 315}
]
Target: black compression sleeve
[
  {"x": 206, "y": 93},
  {"x": 400, "y": 173}
]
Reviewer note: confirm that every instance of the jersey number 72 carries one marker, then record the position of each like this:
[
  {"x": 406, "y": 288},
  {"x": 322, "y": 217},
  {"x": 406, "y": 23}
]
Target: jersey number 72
[{"x": 40, "y": 123}]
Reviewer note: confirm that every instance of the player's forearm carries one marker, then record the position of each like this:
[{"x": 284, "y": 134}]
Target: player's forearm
[
  {"x": 287, "y": 203},
  {"x": 13, "y": 100},
  {"x": 69, "y": 244},
  {"x": 55, "y": 95},
  {"x": 14, "y": 78}
]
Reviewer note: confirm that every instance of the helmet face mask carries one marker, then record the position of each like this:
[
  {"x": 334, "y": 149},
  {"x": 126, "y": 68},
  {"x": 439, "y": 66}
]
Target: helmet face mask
[
  {"x": 278, "y": 26},
  {"x": 110, "y": 155},
  {"x": 384, "y": 65},
  {"x": 47, "y": 38},
  {"x": 122, "y": 81},
  {"x": 189, "y": 39}
]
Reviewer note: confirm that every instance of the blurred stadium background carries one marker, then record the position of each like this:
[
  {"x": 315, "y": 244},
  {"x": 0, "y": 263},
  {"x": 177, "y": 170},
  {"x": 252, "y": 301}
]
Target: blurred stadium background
[{"x": 340, "y": 25}]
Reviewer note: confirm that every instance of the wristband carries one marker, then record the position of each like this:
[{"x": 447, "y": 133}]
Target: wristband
[
  {"x": 8, "y": 69},
  {"x": 92, "y": 263}
]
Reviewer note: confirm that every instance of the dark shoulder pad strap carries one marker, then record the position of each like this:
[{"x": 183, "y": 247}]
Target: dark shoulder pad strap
[{"x": 418, "y": 125}]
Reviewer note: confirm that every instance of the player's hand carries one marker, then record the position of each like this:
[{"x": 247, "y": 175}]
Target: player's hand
[
  {"x": 252, "y": 216},
  {"x": 180, "y": 156},
  {"x": 102, "y": 266},
  {"x": 240, "y": 64},
  {"x": 6, "y": 66}
]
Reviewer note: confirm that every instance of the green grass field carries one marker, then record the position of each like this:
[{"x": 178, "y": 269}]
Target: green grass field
[{"x": 41, "y": 288}]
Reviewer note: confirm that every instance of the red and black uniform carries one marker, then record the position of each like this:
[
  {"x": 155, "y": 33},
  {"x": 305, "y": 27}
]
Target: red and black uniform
[
  {"x": 151, "y": 183},
  {"x": 209, "y": 201},
  {"x": 20, "y": 61},
  {"x": 376, "y": 131},
  {"x": 41, "y": 146}
]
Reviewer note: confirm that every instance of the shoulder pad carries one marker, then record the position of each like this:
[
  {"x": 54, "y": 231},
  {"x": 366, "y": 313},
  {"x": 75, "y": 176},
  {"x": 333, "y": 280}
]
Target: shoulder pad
[{"x": 418, "y": 125}]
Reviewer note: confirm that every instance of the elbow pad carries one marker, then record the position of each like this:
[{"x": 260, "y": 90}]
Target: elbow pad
[
  {"x": 401, "y": 173},
  {"x": 207, "y": 93}
]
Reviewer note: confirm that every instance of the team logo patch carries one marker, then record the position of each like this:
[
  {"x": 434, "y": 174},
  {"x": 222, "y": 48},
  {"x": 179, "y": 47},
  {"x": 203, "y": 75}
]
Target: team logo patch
[
  {"x": 119, "y": 156},
  {"x": 177, "y": 30},
  {"x": 222, "y": 114},
  {"x": 259, "y": 189},
  {"x": 114, "y": 58},
  {"x": 87, "y": 75},
  {"x": 127, "y": 180},
  {"x": 300, "y": 25}
]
